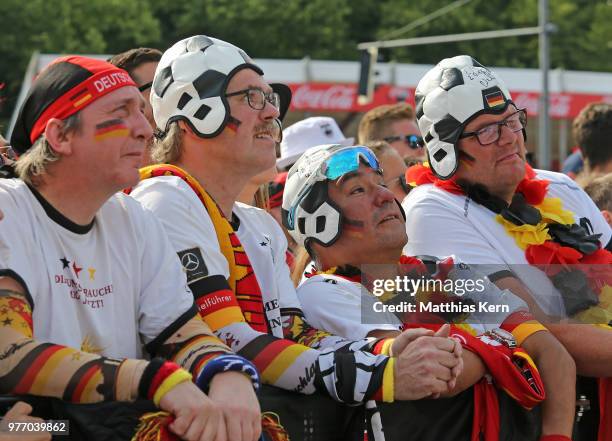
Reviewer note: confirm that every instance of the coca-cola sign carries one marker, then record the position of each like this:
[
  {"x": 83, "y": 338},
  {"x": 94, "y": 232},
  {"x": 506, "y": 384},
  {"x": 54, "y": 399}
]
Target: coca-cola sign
[
  {"x": 343, "y": 97},
  {"x": 334, "y": 97}
]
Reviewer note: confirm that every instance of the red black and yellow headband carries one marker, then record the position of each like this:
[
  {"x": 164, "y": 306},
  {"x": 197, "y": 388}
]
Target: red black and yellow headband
[{"x": 66, "y": 86}]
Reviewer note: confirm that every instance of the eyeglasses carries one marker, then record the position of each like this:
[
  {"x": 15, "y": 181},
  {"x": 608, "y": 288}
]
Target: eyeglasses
[
  {"x": 489, "y": 134},
  {"x": 257, "y": 98},
  {"x": 413, "y": 141}
]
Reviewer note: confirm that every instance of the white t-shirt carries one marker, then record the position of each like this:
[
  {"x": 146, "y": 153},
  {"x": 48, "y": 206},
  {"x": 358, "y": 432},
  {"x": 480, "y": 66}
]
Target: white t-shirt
[
  {"x": 441, "y": 223},
  {"x": 347, "y": 309},
  {"x": 108, "y": 288},
  {"x": 191, "y": 230},
  {"x": 342, "y": 307}
]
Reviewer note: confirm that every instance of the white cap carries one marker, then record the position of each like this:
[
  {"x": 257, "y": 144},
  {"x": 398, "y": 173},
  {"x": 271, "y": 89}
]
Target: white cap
[{"x": 309, "y": 132}]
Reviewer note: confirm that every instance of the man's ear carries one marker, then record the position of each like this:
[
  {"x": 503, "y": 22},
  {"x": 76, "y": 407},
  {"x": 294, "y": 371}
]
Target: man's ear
[
  {"x": 187, "y": 129},
  {"x": 607, "y": 216},
  {"x": 59, "y": 140}
]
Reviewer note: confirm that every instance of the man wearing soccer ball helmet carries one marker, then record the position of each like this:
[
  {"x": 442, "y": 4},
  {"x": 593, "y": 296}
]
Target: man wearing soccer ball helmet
[
  {"x": 479, "y": 200},
  {"x": 218, "y": 123}
]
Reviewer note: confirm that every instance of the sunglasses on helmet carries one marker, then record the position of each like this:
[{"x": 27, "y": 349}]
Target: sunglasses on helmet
[{"x": 342, "y": 161}]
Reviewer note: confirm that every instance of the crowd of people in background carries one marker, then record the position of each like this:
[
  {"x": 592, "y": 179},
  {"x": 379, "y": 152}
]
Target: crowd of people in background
[{"x": 176, "y": 264}]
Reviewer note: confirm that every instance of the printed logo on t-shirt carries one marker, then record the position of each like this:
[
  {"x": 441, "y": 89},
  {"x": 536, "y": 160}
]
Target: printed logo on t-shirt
[
  {"x": 193, "y": 264},
  {"x": 83, "y": 286}
]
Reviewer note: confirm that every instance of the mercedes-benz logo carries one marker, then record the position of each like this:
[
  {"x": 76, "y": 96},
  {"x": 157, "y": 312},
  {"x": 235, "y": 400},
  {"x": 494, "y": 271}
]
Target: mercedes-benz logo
[{"x": 190, "y": 261}]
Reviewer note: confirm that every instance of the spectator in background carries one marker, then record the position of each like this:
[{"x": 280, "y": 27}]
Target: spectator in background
[
  {"x": 395, "y": 124},
  {"x": 297, "y": 138},
  {"x": 600, "y": 190},
  {"x": 393, "y": 168},
  {"x": 140, "y": 63},
  {"x": 573, "y": 164},
  {"x": 592, "y": 130}
]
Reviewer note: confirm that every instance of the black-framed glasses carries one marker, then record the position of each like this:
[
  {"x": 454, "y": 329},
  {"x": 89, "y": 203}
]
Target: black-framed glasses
[
  {"x": 413, "y": 141},
  {"x": 257, "y": 98},
  {"x": 489, "y": 134}
]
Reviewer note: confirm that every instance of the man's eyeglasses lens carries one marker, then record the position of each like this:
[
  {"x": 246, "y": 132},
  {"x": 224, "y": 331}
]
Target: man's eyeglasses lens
[
  {"x": 257, "y": 98},
  {"x": 491, "y": 133}
]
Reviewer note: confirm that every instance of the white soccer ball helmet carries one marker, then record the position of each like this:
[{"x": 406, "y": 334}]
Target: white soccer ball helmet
[
  {"x": 448, "y": 97},
  {"x": 191, "y": 81}
]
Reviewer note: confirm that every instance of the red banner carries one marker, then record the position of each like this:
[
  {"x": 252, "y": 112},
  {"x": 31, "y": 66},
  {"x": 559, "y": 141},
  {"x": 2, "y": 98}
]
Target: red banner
[{"x": 343, "y": 97}]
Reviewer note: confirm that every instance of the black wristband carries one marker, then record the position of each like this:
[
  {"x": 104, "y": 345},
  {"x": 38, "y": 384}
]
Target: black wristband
[{"x": 148, "y": 375}]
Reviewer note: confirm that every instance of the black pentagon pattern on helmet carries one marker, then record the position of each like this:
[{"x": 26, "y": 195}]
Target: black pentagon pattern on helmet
[
  {"x": 451, "y": 77},
  {"x": 244, "y": 56},
  {"x": 419, "y": 100},
  {"x": 198, "y": 43},
  {"x": 209, "y": 84},
  {"x": 448, "y": 129},
  {"x": 440, "y": 155},
  {"x": 163, "y": 81},
  {"x": 477, "y": 64},
  {"x": 428, "y": 137},
  {"x": 302, "y": 225},
  {"x": 316, "y": 197},
  {"x": 184, "y": 99},
  {"x": 202, "y": 112},
  {"x": 320, "y": 224}
]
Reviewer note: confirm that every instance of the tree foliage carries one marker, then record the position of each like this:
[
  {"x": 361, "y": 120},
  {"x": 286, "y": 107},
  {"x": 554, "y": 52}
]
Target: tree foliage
[{"x": 323, "y": 29}]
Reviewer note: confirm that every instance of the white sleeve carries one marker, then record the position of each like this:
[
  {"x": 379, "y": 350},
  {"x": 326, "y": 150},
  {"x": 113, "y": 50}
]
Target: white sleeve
[
  {"x": 435, "y": 230},
  {"x": 329, "y": 307},
  {"x": 287, "y": 295},
  {"x": 14, "y": 241},
  {"x": 165, "y": 300},
  {"x": 187, "y": 223}
]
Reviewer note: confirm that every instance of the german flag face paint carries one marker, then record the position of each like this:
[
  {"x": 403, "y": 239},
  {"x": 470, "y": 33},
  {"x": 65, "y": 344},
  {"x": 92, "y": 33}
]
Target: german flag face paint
[
  {"x": 112, "y": 128},
  {"x": 353, "y": 226},
  {"x": 233, "y": 124}
]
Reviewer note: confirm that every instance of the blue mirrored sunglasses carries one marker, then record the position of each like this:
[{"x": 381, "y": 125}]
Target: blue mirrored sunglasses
[{"x": 348, "y": 160}]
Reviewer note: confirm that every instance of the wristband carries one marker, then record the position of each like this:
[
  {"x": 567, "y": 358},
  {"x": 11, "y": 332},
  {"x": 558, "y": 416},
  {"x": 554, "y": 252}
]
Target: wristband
[
  {"x": 176, "y": 377},
  {"x": 147, "y": 377},
  {"x": 226, "y": 363}
]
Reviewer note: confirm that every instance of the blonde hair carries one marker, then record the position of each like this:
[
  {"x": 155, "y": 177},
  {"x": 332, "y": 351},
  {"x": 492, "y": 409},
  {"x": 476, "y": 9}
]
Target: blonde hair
[
  {"x": 168, "y": 148},
  {"x": 374, "y": 123},
  {"x": 32, "y": 165}
]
